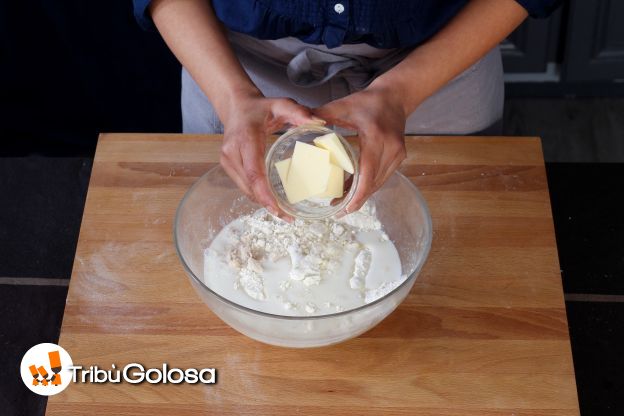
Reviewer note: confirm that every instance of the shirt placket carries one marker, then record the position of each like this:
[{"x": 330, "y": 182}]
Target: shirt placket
[{"x": 337, "y": 18}]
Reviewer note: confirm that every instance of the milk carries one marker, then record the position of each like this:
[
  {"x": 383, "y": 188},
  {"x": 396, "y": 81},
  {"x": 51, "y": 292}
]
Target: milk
[{"x": 286, "y": 296}]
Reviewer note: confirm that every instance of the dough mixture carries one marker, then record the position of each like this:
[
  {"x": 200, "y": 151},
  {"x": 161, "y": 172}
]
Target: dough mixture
[{"x": 303, "y": 268}]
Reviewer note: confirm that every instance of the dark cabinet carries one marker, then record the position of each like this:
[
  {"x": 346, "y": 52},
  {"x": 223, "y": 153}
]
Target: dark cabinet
[
  {"x": 595, "y": 41},
  {"x": 581, "y": 43},
  {"x": 532, "y": 46}
]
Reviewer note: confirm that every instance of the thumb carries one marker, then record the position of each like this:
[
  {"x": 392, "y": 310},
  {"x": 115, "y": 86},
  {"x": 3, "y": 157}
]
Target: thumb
[
  {"x": 296, "y": 114},
  {"x": 335, "y": 112},
  {"x": 325, "y": 112}
]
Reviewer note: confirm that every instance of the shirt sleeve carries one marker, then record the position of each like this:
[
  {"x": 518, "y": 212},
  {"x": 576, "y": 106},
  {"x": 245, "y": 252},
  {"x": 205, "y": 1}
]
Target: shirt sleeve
[
  {"x": 141, "y": 14},
  {"x": 540, "y": 8}
]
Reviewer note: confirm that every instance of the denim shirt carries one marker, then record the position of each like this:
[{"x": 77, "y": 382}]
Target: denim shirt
[{"x": 379, "y": 23}]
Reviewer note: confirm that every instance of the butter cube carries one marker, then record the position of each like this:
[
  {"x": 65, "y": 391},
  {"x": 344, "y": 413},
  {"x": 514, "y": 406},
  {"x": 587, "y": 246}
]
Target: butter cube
[
  {"x": 306, "y": 174},
  {"x": 293, "y": 193},
  {"x": 337, "y": 153},
  {"x": 335, "y": 186},
  {"x": 282, "y": 168}
]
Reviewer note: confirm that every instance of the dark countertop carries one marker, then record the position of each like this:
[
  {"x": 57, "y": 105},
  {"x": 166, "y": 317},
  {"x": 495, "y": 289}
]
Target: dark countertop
[{"x": 588, "y": 210}]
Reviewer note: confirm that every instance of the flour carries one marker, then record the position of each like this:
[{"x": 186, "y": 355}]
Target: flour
[
  {"x": 382, "y": 290},
  {"x": 312, "y": 246},
  {"x": 360, "y": 269},
  {"x": 304, "y": 267},
  {"x": 365, "y": 219}
]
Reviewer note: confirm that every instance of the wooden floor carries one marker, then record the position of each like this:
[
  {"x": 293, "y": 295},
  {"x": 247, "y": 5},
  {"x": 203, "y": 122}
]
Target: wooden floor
[{"x": 572, "y": 130}]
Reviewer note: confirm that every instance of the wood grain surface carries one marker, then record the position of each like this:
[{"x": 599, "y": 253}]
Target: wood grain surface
[{"x": 483, "y": 331}]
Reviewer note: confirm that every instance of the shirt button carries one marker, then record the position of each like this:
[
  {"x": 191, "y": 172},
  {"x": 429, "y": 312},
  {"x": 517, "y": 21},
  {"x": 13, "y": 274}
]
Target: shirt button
[{"x": 338, "y": 8}]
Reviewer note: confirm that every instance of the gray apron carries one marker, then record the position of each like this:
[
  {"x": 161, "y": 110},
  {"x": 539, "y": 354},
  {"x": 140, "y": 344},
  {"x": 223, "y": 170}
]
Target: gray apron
[{"x": 313, "y": 75}]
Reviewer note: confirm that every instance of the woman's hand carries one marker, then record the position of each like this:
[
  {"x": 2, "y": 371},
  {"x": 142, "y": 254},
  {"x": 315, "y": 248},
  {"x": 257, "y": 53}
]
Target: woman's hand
[
  {"x": 195, "y": 35},
  {"x": 378, "y": 117},
  {"x": 246, "y": 126}
]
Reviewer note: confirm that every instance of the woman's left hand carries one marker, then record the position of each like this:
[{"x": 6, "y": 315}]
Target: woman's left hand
[{"x": 378, "y": 117}]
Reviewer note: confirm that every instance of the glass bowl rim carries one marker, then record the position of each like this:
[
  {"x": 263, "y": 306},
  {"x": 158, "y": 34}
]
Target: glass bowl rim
[{"x": 411, "y": 277}]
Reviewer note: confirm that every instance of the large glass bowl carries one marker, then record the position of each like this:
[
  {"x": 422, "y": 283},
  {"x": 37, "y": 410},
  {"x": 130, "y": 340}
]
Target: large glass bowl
[{"x": 214, "y": 201}]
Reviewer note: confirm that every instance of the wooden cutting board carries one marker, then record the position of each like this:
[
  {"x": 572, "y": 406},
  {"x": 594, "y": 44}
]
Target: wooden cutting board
[{"x": 483, "y": 331}]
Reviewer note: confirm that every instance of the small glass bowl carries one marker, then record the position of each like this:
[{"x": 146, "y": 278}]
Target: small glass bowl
[{"x": 308, "y": 209}]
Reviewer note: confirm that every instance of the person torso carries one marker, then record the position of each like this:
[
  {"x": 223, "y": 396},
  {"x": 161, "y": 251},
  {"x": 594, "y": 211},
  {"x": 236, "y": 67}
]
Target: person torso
[{"x": 379, "y": 23}]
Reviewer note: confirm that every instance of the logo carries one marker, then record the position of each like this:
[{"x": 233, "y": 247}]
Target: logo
[
  {"x": 135, "y": 373},
  {"x": 45, "y": 369}
]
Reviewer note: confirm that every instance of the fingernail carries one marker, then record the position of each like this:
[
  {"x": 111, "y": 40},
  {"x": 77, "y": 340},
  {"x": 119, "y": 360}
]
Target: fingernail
[
  {"x": 318, "y": 120},
  {"x": 285, "y": 218},
  {"x": 273, "y": 211}
]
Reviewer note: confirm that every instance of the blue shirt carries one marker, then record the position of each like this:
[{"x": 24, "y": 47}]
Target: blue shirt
[{"x": 379, "y": 23}]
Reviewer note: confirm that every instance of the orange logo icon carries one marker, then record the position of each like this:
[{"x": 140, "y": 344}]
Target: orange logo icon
[
  {"x": 55, "y": 366},
  {"x": 41, "y": 378}
]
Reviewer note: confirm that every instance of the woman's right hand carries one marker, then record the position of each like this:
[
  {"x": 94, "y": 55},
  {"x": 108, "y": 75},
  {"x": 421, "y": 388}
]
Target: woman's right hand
[
  {"x": 247, "y": 124},
  {"x": 197, "y": 38}
]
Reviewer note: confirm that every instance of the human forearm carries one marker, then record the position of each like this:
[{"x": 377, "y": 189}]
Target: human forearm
[
  {"x": 198, "y": 40},
  {"x": 193, "y": 33},
  {"x": 476, "y": 29}
]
